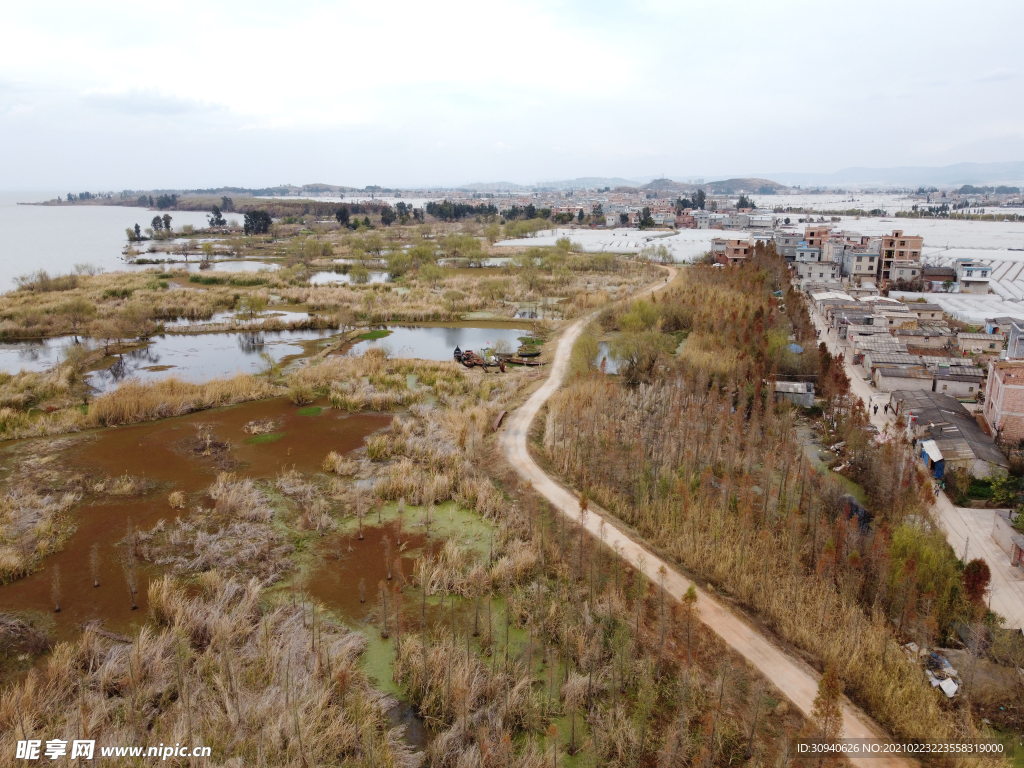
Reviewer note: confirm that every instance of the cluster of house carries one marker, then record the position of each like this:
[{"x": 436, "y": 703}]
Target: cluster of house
[
  {"x": 905, "y": 346},
  {"x": 823, "y": 254},
  {"x": 930, "y": 369}
]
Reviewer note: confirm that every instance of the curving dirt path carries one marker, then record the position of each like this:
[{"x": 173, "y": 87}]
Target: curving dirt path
[{"x": 796, "y": 680}]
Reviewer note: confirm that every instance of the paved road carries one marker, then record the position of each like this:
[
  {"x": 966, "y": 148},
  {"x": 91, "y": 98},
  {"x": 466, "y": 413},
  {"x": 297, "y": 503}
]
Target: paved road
[
  {"x": 958, "y": 523},
  {"x": 795, "y": 679}
]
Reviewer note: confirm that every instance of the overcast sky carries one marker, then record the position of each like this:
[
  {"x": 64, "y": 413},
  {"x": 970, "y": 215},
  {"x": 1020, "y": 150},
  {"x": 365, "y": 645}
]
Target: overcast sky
[{"x": 113, "y": 95}]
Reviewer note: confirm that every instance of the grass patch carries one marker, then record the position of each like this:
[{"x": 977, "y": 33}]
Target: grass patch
[
  {"x": 269, "y": 437},
  {"x": 371, "y": 335},
  {"x": 313, "y": 410}
]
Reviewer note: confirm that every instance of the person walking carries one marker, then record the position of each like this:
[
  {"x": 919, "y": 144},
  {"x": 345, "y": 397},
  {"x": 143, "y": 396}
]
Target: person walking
[
  {"x": 886, "y": 411},
  {"x": 876, "y": 409}
]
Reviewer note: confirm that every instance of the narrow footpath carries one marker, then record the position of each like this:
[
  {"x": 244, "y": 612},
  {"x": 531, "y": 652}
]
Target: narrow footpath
[{"x": 797, "y": 681}]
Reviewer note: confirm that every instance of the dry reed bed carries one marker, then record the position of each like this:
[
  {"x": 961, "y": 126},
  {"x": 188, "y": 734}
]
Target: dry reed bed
[
  {"x": 548, "y": 627},
  {"x": 594, "y": 646},
  {"x": 259, "y": 685},
  {"x": 236, "y": 537}
]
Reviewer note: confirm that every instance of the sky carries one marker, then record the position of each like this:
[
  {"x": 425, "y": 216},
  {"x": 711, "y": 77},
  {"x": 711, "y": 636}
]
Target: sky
[{"x": 142, "y": 95}]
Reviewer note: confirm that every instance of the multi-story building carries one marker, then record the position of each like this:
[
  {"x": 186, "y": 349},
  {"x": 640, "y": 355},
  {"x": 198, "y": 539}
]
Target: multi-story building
[
  {"x": 816, "y": 270},
  {"x": 731, "y": 250},
  {"x": 815, "y": 236},
  {"x": 806, "y": 253},
  {"x": 897, "y": 246},
  {"x": 1004, "y": 399},
  {"x": 786, "y": 244},
  {"x": 972, "y": 276}
]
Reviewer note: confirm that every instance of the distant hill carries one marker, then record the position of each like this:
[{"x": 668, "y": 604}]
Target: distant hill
[
  {"x": 748, "y": 186},
  {"x": 724, "y": 187},
  {"x": 589, "y": 182},
  {"x": 912, "y": 176},
  {"x": 493, "y": 186}
]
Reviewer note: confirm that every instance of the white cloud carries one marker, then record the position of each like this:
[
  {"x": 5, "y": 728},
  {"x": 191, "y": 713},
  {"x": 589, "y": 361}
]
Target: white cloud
[
  {"x": 504, "y": 89},
  {"x": 147, "y": 103}
]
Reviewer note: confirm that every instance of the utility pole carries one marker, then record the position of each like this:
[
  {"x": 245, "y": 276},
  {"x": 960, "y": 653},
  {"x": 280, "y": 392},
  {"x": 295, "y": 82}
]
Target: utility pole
[{"x": 967, "y": 547}]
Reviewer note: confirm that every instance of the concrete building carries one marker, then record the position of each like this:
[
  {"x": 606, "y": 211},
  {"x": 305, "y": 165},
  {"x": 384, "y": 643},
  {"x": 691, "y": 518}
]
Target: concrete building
[
  {"x": 1015, "y": 346},
  {"x": 972, "y": 276},
  {"x": 889, "y": 379},
  {"x": 980, "y": 343},
  {"x": 866, "y": 290},
  {"x": 816, "y": 236},
  {"x": 797, "y": 392},
  {"x": 897, "y": 246},
  {"x": 907, "y": 271},
  {"x": 938, "y": 277},
  {"x": 786, "y": 244},
  {"x": 762, "y": 220},
  {"x": 1004, "y": 399},
  {"x": 924, "y": 338},
  {"x": 895, "y": 318},
  {"x": 816, "y": 270},
  {"x": 926, "y": 311},
  {"x": 805, "y": 254},
  {"x": 1006, "y": 536},
  {"x": 731, "y": 250},
  {"x": 959, "y": 439},
  {"x": 860, "y": 265},
  {"x": 949, "y": 382}
]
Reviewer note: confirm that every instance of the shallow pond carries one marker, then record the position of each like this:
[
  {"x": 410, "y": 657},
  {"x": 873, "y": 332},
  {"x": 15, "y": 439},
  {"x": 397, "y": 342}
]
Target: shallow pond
[
  {"x": 438, "y": 342},
  {"x": 36, "y": 356},
  {"x": 604, "y": 355},
  {"x": 193, "y": 266},
  {"x": 206, "y": 356},
  {"x": 231, "y": 316},
  {"x": 164, "y": 452},
  {"x": 329, "y": 278}
]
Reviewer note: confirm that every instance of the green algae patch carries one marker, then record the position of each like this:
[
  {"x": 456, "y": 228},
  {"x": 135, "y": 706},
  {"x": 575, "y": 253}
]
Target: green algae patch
[
  {"x": 269, "y": 437},
  {"x": 313, "y": 410}
]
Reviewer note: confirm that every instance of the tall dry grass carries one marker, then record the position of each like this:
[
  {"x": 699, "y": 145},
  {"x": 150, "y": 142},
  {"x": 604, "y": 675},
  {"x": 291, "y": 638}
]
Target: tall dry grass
[
  {"x": 134, "y": 401},
  {"x": 238, "y": 536},
  {"x": 730, "y": 496},
  {"x": 258, "y": 684},
  {"x": 32, "y": 525}
]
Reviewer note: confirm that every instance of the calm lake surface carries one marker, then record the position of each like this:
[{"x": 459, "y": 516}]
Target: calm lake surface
[
  {"x": 438, "y": 343},
  {"x": 34, "y": 237},
  {"x": 204, "y": 356}
]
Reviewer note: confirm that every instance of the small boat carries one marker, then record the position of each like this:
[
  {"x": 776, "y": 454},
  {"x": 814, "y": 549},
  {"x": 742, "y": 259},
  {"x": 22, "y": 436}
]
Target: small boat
[
  {"x": 529, "y": 351},
  {"x": 471, "y": 358},
  {"x": 524, "y": 361},
  {"x": 458, "y": 354}
]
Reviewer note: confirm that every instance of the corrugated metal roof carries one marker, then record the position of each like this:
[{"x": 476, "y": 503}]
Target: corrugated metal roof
[
  {"x": 932, "y": 449},
  {"x": 903, "y": 373}
]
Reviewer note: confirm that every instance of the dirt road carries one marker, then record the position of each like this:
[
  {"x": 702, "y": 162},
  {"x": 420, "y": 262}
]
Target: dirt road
[{"x": 797, "y": 681}]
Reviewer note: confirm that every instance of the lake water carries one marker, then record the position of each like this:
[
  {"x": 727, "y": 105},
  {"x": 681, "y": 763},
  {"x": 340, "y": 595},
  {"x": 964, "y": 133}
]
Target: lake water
[
  {"x": 36, "y": 237},
  {"x": 338, "y": 278},
  {"x": 218, "y": 266},
  {"x": 438, "y": 343},
  {"x": 204, "y": 356},
  {"x": 604, "y": 355},
  {"x": 35, "y": 356}
]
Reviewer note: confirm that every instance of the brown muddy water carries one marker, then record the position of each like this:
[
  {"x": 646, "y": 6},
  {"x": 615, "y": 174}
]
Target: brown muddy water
[
  {"x": 170, "y": 454},
  {"x": 344, "y": 560}
]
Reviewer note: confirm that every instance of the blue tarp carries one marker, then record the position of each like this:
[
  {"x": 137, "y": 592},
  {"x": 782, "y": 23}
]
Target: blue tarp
[{"x": 795, "y": 349}]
